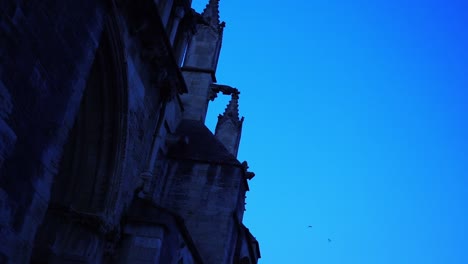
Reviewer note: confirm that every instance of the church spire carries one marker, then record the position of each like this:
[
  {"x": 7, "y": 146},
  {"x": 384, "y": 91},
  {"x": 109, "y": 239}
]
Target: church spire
[{"x": 211, "y": 12}]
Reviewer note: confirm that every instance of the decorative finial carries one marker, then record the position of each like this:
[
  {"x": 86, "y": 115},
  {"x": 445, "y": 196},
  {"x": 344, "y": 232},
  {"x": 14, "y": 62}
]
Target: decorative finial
[
  {"x": 232, "y": 109},
  {"x": 211, "y": 13},
  {"x": 229, "y": 127}
]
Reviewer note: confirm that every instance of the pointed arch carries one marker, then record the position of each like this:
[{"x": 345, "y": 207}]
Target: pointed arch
[
  {"x": 89, "y": 179},
  {"x": 86, "y": 191}
]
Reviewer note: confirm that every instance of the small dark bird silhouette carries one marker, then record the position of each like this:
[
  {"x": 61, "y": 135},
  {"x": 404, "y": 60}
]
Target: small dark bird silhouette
[
  {"x": 309, "y": 226},
  {"x": 329, "y": 240}
]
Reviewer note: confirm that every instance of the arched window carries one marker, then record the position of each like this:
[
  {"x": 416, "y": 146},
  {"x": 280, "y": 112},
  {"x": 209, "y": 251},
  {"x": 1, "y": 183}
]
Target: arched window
[
  {"x": 89, "y": 176},
  {"x": 87, "y": 186}
]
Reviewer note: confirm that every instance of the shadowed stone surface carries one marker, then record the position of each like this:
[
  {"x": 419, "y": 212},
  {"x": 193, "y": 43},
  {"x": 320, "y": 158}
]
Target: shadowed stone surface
[{"x": 104, "y": 155}]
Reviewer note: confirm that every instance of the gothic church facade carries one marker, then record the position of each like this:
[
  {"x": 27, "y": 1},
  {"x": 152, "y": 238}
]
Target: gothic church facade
[{"x": 104, "y": 154}]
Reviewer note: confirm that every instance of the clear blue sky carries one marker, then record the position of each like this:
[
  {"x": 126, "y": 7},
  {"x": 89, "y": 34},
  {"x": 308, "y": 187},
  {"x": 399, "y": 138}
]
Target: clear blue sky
[{"x": 355, "y": 123}]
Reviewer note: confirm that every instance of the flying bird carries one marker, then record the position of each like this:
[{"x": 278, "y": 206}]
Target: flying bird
[
  {"x": 309, "y": 226},
  {"x": 329, "y": 240}
]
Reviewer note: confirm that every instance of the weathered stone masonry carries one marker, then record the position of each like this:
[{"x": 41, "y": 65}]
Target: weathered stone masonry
[{"x": 104, "y": 155}]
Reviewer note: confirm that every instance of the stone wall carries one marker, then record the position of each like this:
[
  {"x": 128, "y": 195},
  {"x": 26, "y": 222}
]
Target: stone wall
[
  {"x": 92, "y": 97},
  {"x": 46, "y": 52},
  {"x": 206, "y": 196}
]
